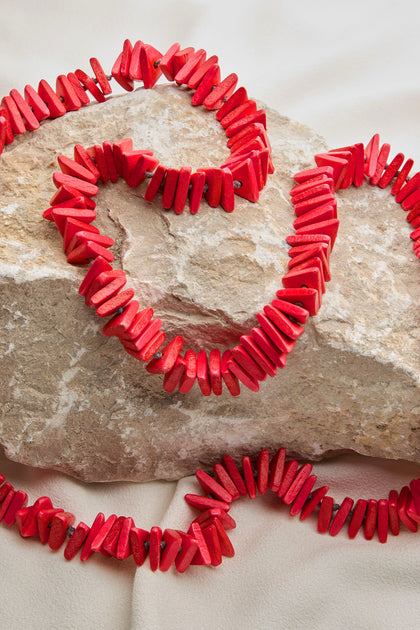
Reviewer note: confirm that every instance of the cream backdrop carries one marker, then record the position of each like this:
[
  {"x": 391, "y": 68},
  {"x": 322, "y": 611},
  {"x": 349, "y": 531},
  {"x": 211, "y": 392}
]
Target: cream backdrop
[{"x": 347, "y": 69}]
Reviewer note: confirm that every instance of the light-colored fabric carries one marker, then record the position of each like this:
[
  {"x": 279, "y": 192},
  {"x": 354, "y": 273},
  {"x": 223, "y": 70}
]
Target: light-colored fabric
[{"x": 348, "y": 70}]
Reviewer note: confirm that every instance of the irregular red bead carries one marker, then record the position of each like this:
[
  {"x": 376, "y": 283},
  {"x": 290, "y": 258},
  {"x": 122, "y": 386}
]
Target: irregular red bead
[
  {"x": 381, "y": 163},
  {"x": 394, "y": 523},
  {"x": 370, "y": 519},
  {"x": 81, "y": 94},
  {"x": 242, "y": 375},
  {"x": 173, "y": 542},
  {"x": 289, "y": 472},
  {"x": 248, "y": 472},
  {"x": 210, "y": 79},
  {"x": 59, "y": 526},
  {"x": 138, "y": 538},
  {"x": 90, "y": 85},
  {"x": 357, "y": 518},
  {"x": 37, "y": 104},
  {"x": 403, "y": 498},
  {"x": 297, "y": 484},
  {"x": 235, "y": 475},
  {"x": 402, "y": 177},
  {"x": 190, "y": 66},
  {"x": 371, "y": 155},
  {"x": 341, "y": 516},
  {"x": 247, "y": 363},
  {"x": 206, "y": 503},
  {"x": 325, "y": 514},
  {"x": 44, "y": 518},
  {"x": 31, "y": 121},
  {"x": 100, "y": 76},
  {"x": 170, "y": 355},
  {"x": 18, "y": 501},
  {"x": 150, "y": 69},
  {"x": 198, "y": 181},
  {"x": 189, "y": 376},
  {"x": 203, "y": 377},
  {"x": 225, "y": 480},
  {"x": 229, "y": 378},
  {"x": 123, "y": 549},
  {"x": 211, "y": 486},
  {"x": 187, "y": 552},
  {"x": 383, "y": 520},
  {"x": 258, "y": 355},
  {"x": 76, "y": 540},
  {"x": 154, "y": 547},
  {"x": 173, "y": 378},
  {"x": 87, "y": 550},
  {"x": 263, "y": 469},
  {"x": 169, "y": 187},
  {"x": 182, "y": 189},
  {"x": 302, "y": 496},
  {"x": 317, "y": 496},
  {"x": 126, "y": 83},
  {"x": 201, "y": 71},
  {"x": 67, "y": 93},
  {"x": 167, "y": 62}
]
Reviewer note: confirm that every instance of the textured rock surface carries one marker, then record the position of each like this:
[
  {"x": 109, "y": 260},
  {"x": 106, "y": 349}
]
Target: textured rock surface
[{"x": 72, "y": 400}]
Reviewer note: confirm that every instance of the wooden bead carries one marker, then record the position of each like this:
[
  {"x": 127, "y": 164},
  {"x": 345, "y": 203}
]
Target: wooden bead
[
  {"x": 283, "y": 323},
  {"x": 16, "y": 120},
  {"x": 31, "y": 121},
  {"x": 169, "y": 357},
  {"x": 98, "y": 266},
  {"x": 341, "y": 516},
  {"x": 198, "y": 180},
  {"x": 38, "y": 106},
  {"x": 263, "y": 469},
  {"x": 276, "y": 470},
  {"x": 182, "y": 57},
  {"x": 59, "y": 526},
  {"x": 90, "y": 85},
  {"x": 248, "y": 473},
  {"x": 126, "y": 83},
  {"x": 257, "y": 117},
  {"x": 210, "y": 79},
  {"x": 370, "y": 519},
  {"x": 65, "y": 91},
  {"x": 247, "y": 363},
  {"x": 213, "y": 545},
  {"x": 173, "y": 542},
  {"x": 76, "y": 540},
  {"x": 338, "y": 164},
  {"x": 380, "y": 165},
  {"x": 235, "y": 475},
  {"x": 302, "y": 496},
  {"x": 151, "y": 347},
  {"x": 390, "y": 172},
  {"x": 123, "y": 549},
  {"x": 173, "y": 378},
  {"x": 227, "y": 199},
  {"x": 401, "y": 179},
  {"x": 258, "y": 355},
  {"x": 169, "y": 188},
  {"x": 347, "y": 154},
  {"x": 243, "y": 109},
  {"x": 202, "y": 555},
  {"x": 215, "y": 99},
  {"x": 71, "y": 167},
  {"x": 6, "y": 503},
  {"x": 357, "y": 518},
  {"x": 87, "y": 550},
  {"x": 203, "y": 377},
  {"x": 211, "y": 486},
  {"x": 214, "y": 181},
  {"x": 226, "y": 546},
  {"x": 155, "y": 548},
  {"x": 242, "y": 375},
  {"x": 109, "y": 159},
  {"x": 229, "y": 378},
  {"x": 311, "y": 173},
  {"x": 30, "y": 526},
  {"x": 201, "y": 71},
  {"x": 282, "y": 343},
  {"x": 263, "y": 341},
  {"x": 205, "y": 503},
  {"x": 167, "y": 62},
  {"x": 150, "y": 70},
  {"x": 138, "y": 538},
  {"x": 317, "y": 496},
  {"x": 100, "y": 76},
  {"x": 237, "y": 98},
  {"x": 225, "y": 480},
  {"x": 190, "y": 66},
  {"x": 297, "y": 484},
  {"x": 209, "y": 515},
  {"x": 329, "y": 227},
  {"x": 289, "y": 472},
  {"x": 187, "y": 552},
  {"x": 299, "y": 313},
  {"x": 134, "y": 68},
  {"x": 324, "y": 515},
  {"x": 139, "y": 342},
  {"x": 86, "y": 251},
  {"x": 121, "y": 322},
  {"x": 190, "y": 373},
  {"x": 182, "y": 189}
]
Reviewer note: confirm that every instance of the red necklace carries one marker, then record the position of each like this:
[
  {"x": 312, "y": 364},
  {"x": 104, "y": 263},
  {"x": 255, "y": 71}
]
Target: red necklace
[{"x": 258, "y": 354}]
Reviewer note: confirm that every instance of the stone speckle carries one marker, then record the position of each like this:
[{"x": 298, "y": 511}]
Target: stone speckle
[{"x": 72, "y": 400}]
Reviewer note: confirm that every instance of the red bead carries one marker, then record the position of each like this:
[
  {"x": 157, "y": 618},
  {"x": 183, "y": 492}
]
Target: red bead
[
  {"x": 167, "y": 62},
  {"x": 214, "y": 181},
  {"x": 248, "y": 473},
  {"x": 173, "y": 378},
  {"x": 6, "y": 503},
  {"x": 235, "y": 474},
  {"x": 209, "y": 515},
  {"x": 121, "y": 322},
  {"x": 99, "y": 266},
  {"x": 30, "y": 525},
  {"x": 173, "y": 542},
  {"x": 317, "y": 496},
  {"x": 359, "y": 167},
  {"x": 59, "y": 525},
  {"x": 258, "y": 355},
  {"x": 283, "y": 323},
  {"x": 134, "y": 69},
  {"x": 307, "y": 296},
  {"x": 44, "y": 518},
  {"x": 181, "y": 57},
  {"x": 383, "y": 519},
  {"x": 155, "y": 183},
  {"x": 102, "y": 533},
  {"x": 206, "y": 503},
  {"x": 110, "y": 542},
  {"x": 99, "y": 155},
  {"x": 297, "y": 483},
  {"x": 263, "y": 341},
  {"x": 215, "y": 372},
  {"x": 87, "y": 550},
  {"x": 146, "y": 335},
  {"x": 329, "y": 228},
  {"x": 257, "y": 117},
  {"x": 325, "y": 514},
  {"x": 380, "y": 165},
  {"x": 211, "y": 486},
  {"x": 139, "y": 323},
  {"x": 188, "y": 550},
  {"x": 323, "y": 212},
  {"x": 126, "y": 58},
  {"x": 16, "y": 120},
  {"x": 215, "y": 99},
  {"x": 150, "y": 70},
  {"x": 310, "y": 187},
  {"x": 67, "y": 93},
  {"x": 225, "y": 480},
  {"x": 244, "y": 173},
  {"x": 109, "y": 159},
  {"x": 401, "y": 179},
  {"x": 403, "y": 498},
  {"x": 155, "y": 548},
  {"x": 246, "y": 108},
  {"x": 202, "y": 555},
  {"x": 415, "y": 493},
  {"x": 201, "y": 71},
  {"x": 190, "y": 373},
  {"x": 87, "y": 250},
  {"x": 229, "y": 378},
  {"x": 190, "y": 66},
  {"x": 182, "y": 189},
  {"x": 210, "y": 79},
  {"x": 338, "y": 164},
  {"x": 90, "y": 85},
  {"x": 304, "y": 176},
  {"x": 203, "y": 377},
  {"x": 100, "y": 76},
  {"x": 169, "y": 187},
  {"x": 289, "y": 472},
  {"x": 411, "y": 510},
  {"x": 84, "y": 236},
  {"x": 119, "y": 150},
  {"x": 76, "y": 540},
  {"x": 371, "y": 155},
  {"x": 302, "y": 495},
  {"x": 18, "y": 501},
  {"x": 241, "y": 356},
  {"x": 126, "y": 83},
  {"x": 357, "y": 518},
  {"x": 82, "y": 157},
  {"x": 70, "y": 167},
  {"x": 123, "y": 549},
  {"x": 198, "y": 180},
  {"x": 21, "y": 516},
  {"x": 38, "y": 106},
  {"x": 294, "y": 311},
  {"x": 137, "y": 539},
  {"x": 3, "y": 132},
  {"x": 237, "y": 98},
  {"x": 282, "y": 343},
  {"x": 82, "y": 95},
  {"x": 394, "y": 523},
  {"x": 227, "y": 200},
  {"x": 86, "y": 188},
  {"x": 276, "y": 470},
  {"x": 26, "y": 112},
  {"x": 226, "y": 546},
  {"x": 242, "y": 375},
  {"x": 391, "y": 170},
  {"x": 170, "y": 355},
  {"x": 213, "y": 544},
  {"x": 341, "y": 516},
  {"x": 312, "y": 191},
  {"x": 370, "y": 520},
  {"x": 263, "y": 469}
]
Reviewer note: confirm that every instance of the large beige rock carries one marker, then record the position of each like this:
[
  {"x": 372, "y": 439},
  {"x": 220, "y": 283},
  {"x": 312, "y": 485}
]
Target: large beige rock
[{"x": 72, "y": 400}]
